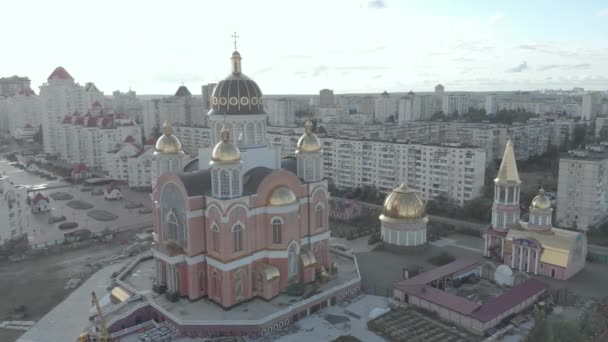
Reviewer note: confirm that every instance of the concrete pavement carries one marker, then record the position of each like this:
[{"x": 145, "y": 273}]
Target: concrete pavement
[{"x": 68, "y": 319}]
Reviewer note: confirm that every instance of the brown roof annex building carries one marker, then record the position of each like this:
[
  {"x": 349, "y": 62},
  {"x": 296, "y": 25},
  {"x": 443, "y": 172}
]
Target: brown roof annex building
[{"x": 426, "y": 291}]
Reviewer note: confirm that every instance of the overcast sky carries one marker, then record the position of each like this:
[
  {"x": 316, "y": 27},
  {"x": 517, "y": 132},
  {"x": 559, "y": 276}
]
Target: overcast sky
[{"x": 303, "y": 46}]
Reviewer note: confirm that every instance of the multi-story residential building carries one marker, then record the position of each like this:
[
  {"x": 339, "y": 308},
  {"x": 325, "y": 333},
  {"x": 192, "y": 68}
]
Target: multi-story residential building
[
  {"x": 491, "y": 104},
  {"x": 281, "y": 111},
  {"x": 59, "y": 97},
  {"x": 180, "y": 109},
  {"x": 591, "y": 106},
  {"x": 207, "y": 91},
  {"x": 456, "y": 104},
  {"x": 384, "y": 107},
  {"x": 451, "y": 170},
  {"x": 326, "y": 98},
  {"x": 192, "y": 137},
  {"x": 140, "y": 168},
  {"x": 562, "y": 132},
  {"x": 128, "y": 104},
  {"x": 331, "y": 114},
  {"x": 20, "y": 112},
  {"x": 10, "y": 86},
  {"x": 438, "y": 98},
  {"x": 582, "y": 189},
  {"x": 88, "y": 137},
  {"x": 415, "y": 107},
  {"x": 116, "y": 164},
  {"x": 14, "y": 210}
]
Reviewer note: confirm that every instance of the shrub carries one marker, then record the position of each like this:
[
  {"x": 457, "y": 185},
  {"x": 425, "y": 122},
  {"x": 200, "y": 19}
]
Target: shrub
[
  {"x": 441, "y": 259},
  {"x": 295, "y": 290}
]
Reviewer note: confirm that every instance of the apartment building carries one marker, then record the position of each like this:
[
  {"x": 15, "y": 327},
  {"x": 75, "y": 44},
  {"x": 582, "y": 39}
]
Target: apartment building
[
  {"x": 451, "y": 170},
  {"x": 192, "y": 137},
  {"x": 415, "y": 108},
  {"x": 179, "y": 109},
  {"x": 14, "y": 210},
  {"x": 19, "y": 111},
  {"x": 384, "y": 108},
  {"x": 582, "y": 188},
  {"x": 281, "y": 111},
  {"x": 455, "y": 104}
]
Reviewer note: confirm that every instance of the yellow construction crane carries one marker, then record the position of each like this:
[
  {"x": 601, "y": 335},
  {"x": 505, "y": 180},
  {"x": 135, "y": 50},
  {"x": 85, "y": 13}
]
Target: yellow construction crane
[{"x": 105, "y": 334}]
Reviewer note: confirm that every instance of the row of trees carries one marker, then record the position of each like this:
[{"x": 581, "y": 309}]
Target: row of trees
[{"x": 480, "y": 115}]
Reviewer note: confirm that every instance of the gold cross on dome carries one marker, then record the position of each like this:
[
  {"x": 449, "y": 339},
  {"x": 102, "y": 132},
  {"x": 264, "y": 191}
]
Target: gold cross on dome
[{"x": 235, "y": 37}]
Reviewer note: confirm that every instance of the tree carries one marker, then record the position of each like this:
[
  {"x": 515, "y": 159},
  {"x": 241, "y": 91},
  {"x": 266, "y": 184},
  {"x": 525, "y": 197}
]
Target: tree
[
  {"x": 580, "y": 132},
  {"x": 391, "y": 119}
]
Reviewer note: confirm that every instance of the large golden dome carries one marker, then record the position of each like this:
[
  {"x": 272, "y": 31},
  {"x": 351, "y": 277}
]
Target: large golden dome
[
  {"x": 281, "y": 196},
  {"x": 541, "y": 201},
  {"x": 403, "y": 203},
  {"x": 168, "y": 143},
  {"x": 225, "y": 151},
  {"x": 309, "y": 141}
]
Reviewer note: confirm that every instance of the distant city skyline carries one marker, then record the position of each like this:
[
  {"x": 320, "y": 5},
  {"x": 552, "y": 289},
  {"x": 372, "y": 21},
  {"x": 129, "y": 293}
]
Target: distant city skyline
[{"x": 299, "y": 48}]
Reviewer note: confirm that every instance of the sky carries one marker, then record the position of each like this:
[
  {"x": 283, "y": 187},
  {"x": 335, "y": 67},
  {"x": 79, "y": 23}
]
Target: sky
[{"x": 299, "y": 47}]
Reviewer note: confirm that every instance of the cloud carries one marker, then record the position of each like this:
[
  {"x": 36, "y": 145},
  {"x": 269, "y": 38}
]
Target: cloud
[
  {"x": 262, "y": 71},
  {"x": 527, "y": 47},
  {"x": 519, "y": 68},
  {"x": 318, "y": 70},
  {"x": 581, "y": 66},
  {"x": 602, "y": 13},
  {"x": 376, "y": 4},
  {"x": 495, "y": 19}
]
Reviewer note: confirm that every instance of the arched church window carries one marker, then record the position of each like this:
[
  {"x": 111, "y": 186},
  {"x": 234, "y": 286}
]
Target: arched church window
[
  {"x": 215, "y": 237},
  {"x": 239, "y": 286},
  {"x": 216, "y": 182},
  {"x": 319, "y": 217},
  {"x": 224, "y": 184},
  {"x": 236, "y": 177},
  {"x": 292, "y": 261},
  {"x": 308, "y": 169},
  {"x": 217, "y": 285},
  {"x": 237, "y": 237},
  {"x": 277, "y": 231},
  {"x": 172, "y": 225},
  {"x": 259, "y": 133},
  {"x": 250, "y": 134},
  {"x": 238, "y": 134}
]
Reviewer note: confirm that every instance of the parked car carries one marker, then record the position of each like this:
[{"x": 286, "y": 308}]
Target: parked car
[{"x": 55, "y": 219}]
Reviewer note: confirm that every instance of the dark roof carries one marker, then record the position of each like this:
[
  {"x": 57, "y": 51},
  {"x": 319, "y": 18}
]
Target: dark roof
[
  {"x": 442, "y": 298},
  {"x": 253, "y": 178},
  {"x": 438, "y": 272},
  {"x": 197, "y": 183},
  {"x": 494, "y": 307},
  {"x": 243, "y": 92},
  {"x": 191, "y": 166},
  {"x": 290, "y": 164},
  {"x": 183, "y": 91}
]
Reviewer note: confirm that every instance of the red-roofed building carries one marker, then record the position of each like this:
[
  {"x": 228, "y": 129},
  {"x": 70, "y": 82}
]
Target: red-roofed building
[
  {"x": 426, "y": 290},
  {"x": 150, "y": 142},
  {"x": 40, "y": 203},
  {"x": 130, "y": 140},
  {"x": 112, "y": 192},
  {"x": 81, "y": 171},
  {"x": 60, "y": 74}
]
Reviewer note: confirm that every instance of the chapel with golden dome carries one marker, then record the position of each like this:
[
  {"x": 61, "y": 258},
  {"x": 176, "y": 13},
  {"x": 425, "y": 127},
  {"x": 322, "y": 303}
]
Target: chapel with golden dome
[
  {"x": 403, "y": 219},
  {"x": 534, "y": 246}
]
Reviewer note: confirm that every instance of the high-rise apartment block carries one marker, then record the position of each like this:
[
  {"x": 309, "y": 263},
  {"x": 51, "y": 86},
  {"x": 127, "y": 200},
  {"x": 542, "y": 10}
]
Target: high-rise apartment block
[
  {"x": 180, "y": 109},
  {"x": 455, "y": 104},
  {"x": 326, "y": 98}
]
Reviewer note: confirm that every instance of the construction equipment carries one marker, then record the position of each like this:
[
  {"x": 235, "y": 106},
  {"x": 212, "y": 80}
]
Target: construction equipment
[{"x": 105, "y": 334}]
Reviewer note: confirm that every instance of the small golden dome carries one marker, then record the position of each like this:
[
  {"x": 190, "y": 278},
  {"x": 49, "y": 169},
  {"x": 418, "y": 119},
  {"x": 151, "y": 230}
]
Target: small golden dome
[
  {"x": 225, "y": 151},
  {"x": 309, "y": 141},
  {"x": 168, "y": 143},
  {"x": 281, "y": 196},
  {"x": 541, "y": 201},
  {"x": 403, "y": 203}
]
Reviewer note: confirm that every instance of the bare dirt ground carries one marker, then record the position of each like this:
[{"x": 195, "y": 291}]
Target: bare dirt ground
[{"x": 39, "y": 282}]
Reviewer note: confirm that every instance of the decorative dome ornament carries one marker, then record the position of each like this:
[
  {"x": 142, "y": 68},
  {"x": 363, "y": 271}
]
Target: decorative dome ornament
[
  {"x": 541, "y": 201},
  {"x": 281, "y": 196},
  {"x": 168, "y": 143},
  {"x": 308, "y": 142},
  {"x": 403, "y": 203},
  {"x": 225, "y": 151},
  {"x": 237, "y": 94}
]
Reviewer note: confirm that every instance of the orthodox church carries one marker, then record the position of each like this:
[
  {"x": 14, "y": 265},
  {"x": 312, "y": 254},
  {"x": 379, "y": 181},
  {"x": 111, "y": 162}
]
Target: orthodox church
[
  {"x": 247, "y": 223},
  {"x": 534, "y": 246}
]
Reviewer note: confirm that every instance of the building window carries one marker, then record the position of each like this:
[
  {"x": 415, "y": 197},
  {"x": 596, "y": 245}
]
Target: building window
[
  {"x": 172, "y": 224},
  {"x": 224, "y": 184},
  {"x": 201, "y": 280},
  {"x": 308, "y": 169},
  {"x": 215, "y": 237},
  {"x": 237, "y": 237},
  {"x": 277, "y": 231},
  {"x": 239, "y": 277},
  {"x": 216, "y": 183},
  {"x": 250, "y": 134},
  {"x": 235, "y": 182},
  {"x": 319, "y": 217}
]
